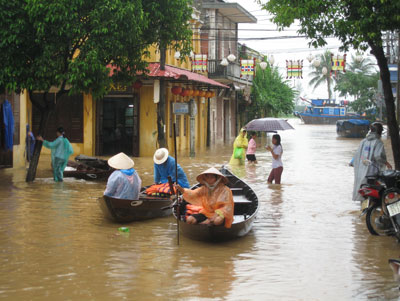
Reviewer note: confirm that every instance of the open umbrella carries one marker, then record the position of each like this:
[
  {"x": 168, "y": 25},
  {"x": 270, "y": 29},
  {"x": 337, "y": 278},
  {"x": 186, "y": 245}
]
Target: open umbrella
[{"x": 268, "y": 125}]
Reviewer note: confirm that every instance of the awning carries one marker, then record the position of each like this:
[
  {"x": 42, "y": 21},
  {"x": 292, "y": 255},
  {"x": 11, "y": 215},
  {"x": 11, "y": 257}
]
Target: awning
[{"x": 178, "y": 73}]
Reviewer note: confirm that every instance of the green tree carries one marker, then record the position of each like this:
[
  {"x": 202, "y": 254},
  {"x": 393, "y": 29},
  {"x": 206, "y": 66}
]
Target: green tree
[
  {"x": 71, "y": 45},
  {"x": 356, "y": 23},
  {"x": 318, "y": 77},
  {"x": 360, "y": 81},
  {"x": 270, "y": 94}
]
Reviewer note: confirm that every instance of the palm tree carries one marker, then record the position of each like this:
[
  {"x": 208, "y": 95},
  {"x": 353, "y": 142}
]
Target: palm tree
[
  {"x": 318, "y": 77},
  {"x": 360, "y": 64}
]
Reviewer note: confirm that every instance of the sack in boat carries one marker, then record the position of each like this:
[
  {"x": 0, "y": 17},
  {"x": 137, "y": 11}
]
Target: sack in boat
[
  {"x": 158, "y": 189},
  {"x": 238, "y": 153}
]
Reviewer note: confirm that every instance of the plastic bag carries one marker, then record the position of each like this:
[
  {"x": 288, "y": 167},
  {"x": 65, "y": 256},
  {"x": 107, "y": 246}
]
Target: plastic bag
[{"x": 238, "y": 153}]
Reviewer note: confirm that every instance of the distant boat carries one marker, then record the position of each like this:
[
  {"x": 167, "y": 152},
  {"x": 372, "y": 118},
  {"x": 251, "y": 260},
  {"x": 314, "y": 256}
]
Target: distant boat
[
  {"x": 352, "y": 128},
  {"x": 325, "y": 111}
]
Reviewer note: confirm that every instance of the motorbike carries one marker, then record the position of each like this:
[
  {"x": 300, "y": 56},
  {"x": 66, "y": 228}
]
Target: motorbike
[{"x": 382, "y": 193}]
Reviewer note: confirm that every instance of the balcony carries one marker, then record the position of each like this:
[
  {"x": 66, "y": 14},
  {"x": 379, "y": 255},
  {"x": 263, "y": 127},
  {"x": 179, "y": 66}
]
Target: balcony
[{"x": 228, "y": 74}]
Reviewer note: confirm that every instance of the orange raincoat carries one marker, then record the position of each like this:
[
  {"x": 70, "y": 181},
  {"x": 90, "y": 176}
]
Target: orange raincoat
[{"x": 221, "y": 198}]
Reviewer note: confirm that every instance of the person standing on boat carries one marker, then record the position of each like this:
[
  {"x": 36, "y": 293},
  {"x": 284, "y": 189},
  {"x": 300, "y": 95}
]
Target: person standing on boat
[
  {"x": 61, "y": 149},
  {"x": 164, "y": 166},
  {"x": 214, "y": 197},
  {"x": 277, "y": 166},
  {"x": 369, "y": 159},
  {"x": 124, "y": 182},
  {"x": 239, "y": 149},
  {"x": 251, "y": 149}
]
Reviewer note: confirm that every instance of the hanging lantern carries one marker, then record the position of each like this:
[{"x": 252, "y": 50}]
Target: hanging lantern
[
  {"x": 212, "y": 93},
  {"x": 189, "y": 92},
  {"x": 182, "y": 92},
  {"x": 271, "y": 59},
  {"x": 176, "y": 90},
  {"x": 224, "y": 62},
  {"x": 202, "y": 93},
  {"x": 137, "y": 85},
  {"x": 231, "y": 57},
  {"x": 196, "y": 92},
  {"x": 177, "y": 55},
  {"x": 208, "y": 94},
  {"x": 324, "y": 70},
  {"x": 310, "y": 57},
  {"x": 263, "y": 65},
  {"x": 316, "y": 63}
]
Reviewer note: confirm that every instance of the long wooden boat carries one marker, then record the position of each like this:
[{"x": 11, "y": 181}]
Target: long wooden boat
[
  {"x": 352, "y": 128},
  {"x": 125, "y": 211},
  {"x": 245, "y": 212},
  {"x": 88, "y": 168}
]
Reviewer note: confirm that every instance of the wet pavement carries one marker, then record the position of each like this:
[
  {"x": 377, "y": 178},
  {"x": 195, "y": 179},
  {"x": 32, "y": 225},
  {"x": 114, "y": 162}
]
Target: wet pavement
[{"x": 308, "y": 242}]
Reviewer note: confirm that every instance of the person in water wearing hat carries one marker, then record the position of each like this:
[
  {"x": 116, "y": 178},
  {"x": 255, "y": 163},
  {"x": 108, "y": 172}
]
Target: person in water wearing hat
[
  {"x": 164, "y": 166},
  {"x": 213, "y": 196},
  {"x": 124, "y": 183},
  {"x": 61, "y": 149}
]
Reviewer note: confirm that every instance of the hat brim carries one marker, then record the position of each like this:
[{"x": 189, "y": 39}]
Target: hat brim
[
  {"x": 213, "y": 171},
  {"x": 163, "y": 159},
  {"x": 121, "y": 161}
]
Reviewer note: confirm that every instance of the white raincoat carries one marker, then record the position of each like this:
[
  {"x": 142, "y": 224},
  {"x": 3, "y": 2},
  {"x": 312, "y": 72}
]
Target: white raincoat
[{"x": 372, "y": 149}]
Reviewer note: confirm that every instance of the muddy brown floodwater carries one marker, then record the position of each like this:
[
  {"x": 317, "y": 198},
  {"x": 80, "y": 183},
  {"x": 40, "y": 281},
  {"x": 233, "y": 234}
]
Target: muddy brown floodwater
[{"x": 308, "y": 242}]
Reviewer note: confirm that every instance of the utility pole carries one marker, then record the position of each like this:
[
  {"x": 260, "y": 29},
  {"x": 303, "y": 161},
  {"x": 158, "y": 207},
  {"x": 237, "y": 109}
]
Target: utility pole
[{"x": 161, "y": 104}]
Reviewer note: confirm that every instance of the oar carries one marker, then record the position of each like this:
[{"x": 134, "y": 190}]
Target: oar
[{"x": 178, "y": 215}]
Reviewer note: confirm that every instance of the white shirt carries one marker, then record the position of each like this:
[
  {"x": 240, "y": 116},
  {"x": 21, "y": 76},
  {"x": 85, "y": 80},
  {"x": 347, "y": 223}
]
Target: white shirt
[{"x": 277, "y": 150}]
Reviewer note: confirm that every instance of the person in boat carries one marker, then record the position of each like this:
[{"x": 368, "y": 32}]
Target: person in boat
[
  {"x": 214, "y": 197},
  {"x": 251, "y": 149},
  {"x": 61, "y": 149},
  {"x": 124, "y": 182},
  {"x": 370, "y": 158},
  {"x": 164, "y": 166},
  {"x": 239, "y": 149},
  {"x": 277, "y": 166}
]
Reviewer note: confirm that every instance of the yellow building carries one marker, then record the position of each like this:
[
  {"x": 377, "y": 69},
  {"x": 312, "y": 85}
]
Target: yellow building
[{"x": 126, "y": 119}]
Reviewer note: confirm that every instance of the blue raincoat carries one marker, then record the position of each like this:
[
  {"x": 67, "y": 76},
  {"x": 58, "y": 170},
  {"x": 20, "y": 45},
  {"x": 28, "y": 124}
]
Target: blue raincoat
[
  {"x": 162, "y": 171},
  {"x": 124, "y": 184},
  {"x": 9, "y": 124},
  {"x": 61, "y": 149}
]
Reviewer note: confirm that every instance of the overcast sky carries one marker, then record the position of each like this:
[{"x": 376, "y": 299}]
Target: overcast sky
[{"x": 282, "y": 49}]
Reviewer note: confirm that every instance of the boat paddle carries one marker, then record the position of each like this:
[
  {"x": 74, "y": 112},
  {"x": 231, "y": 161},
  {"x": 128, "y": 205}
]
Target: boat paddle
[{"x": 178, "y": 215}]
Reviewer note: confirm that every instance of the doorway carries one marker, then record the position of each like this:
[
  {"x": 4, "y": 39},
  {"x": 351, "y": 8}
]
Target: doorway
[{"x": 118, "y": 125}]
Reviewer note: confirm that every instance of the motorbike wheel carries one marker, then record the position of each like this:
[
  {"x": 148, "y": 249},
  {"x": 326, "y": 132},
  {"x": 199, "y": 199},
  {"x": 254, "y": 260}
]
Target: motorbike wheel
[{"x": 374, "y": 213}]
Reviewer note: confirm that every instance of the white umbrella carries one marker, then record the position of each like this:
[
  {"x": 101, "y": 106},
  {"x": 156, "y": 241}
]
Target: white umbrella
[{"x": 268, "y": 125}]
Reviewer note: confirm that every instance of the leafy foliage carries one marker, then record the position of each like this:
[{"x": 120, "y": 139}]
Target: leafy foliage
[
  {"x": 70, "y": 44},
  {"x": 271, "y": 95},
  {"x": 361, "y": 82}
]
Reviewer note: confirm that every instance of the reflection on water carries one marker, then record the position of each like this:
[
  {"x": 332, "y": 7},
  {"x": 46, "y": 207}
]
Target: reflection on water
[{"x": 307, "y": 243}]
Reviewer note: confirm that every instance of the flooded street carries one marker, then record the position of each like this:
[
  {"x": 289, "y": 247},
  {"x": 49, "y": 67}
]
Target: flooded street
[{"x": 308, "y": 242}]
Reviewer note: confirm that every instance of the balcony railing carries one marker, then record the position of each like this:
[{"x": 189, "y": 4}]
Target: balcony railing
[{"x": 232, "y": 71}]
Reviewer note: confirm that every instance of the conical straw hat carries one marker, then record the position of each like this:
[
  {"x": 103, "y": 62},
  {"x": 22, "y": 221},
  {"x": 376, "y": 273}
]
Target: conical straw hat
[
  {"x": 121, "y": 161},
  {"x": 214, "y": 171},
  {"x": 160, "y": 156}
]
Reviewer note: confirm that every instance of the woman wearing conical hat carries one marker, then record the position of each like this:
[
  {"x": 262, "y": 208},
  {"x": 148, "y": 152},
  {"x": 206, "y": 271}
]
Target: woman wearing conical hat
[
  {"x": 124, "y": 182},
  {"x": 213, "y": 196}
]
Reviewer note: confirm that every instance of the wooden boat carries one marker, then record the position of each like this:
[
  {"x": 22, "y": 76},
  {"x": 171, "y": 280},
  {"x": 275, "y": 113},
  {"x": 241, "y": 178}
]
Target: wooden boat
[
  {"x": 245, "y": 212},
  {"x": 88, "y": 168},
  {"x": 352, "y": 128},
  {"x": 125, "y": 211}
]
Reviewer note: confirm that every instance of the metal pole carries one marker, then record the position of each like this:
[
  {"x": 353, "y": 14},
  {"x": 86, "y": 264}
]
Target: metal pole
[{"x": 398, "y": 78}]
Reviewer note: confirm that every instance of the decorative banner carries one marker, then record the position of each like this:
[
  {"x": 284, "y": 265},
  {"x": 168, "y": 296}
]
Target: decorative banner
[
  {"x": 247, "y": 67},
  {"x": 199, "y": 63},
  {"x": 338, "y": 63},
  {"x": 294, "y": 69}
]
